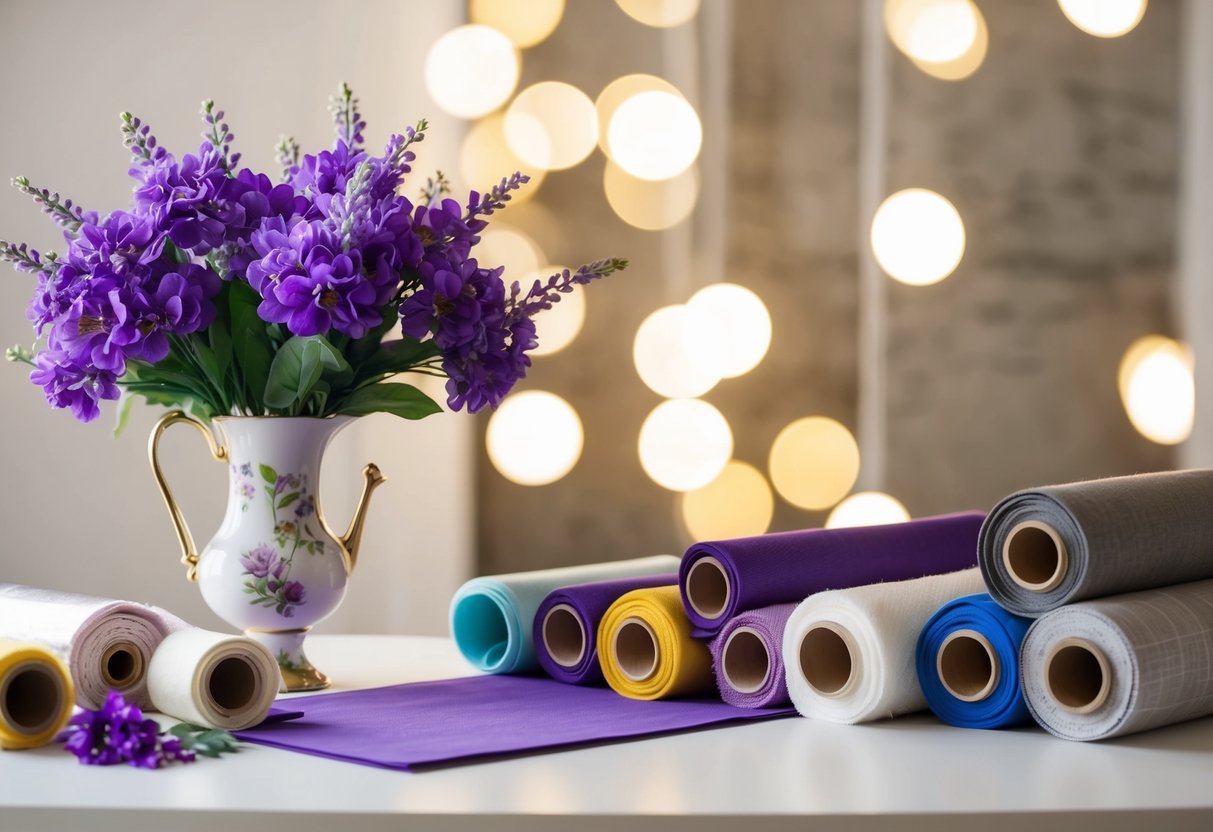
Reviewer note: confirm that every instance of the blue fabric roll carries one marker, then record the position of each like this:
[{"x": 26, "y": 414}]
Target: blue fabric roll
[{"x": 1002, "y": 704}]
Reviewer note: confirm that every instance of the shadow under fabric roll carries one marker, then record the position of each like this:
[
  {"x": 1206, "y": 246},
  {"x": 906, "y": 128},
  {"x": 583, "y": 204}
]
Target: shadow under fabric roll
[
  {"x": 720, "y": 579},
  {"x": 107, "y": 644},
  {"x": 213, "y": 679},
  {"x": 1046, "y": 547},
  {"x": 849, "y": 653},
  {"x": 492, "y": 618},
  {"x": 646, "y": 649},
  {"x": 35, "y": 695},
  {"x": 747, "y": 657},
  {"x": 566, "y": 626},
  {"x": 968, "y": 664},
  {"x": 1123, "y": 664}
]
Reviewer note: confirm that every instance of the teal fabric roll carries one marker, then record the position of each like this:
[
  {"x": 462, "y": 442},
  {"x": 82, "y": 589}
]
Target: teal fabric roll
[{"x": 492, "y": 617}]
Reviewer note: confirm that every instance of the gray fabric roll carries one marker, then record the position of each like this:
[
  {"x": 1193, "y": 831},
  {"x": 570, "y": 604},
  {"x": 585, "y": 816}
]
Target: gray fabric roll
[
  {"x": 1119, "y": 535},
  {"x": 1157, "y": 646}
]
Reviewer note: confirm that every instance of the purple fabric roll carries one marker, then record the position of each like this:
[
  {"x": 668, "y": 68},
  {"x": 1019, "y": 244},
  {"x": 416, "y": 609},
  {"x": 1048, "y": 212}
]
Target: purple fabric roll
[
  {"x": 464, "y": 720},
  {"x": 749, "y": 668},
  {"x": 790, "y": 566},
  {"x": 588, "y": 603}
]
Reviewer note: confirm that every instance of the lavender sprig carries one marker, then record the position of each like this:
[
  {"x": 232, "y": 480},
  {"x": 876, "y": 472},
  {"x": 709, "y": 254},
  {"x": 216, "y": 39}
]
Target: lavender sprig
[
  {"x": 220, "y": 136},
  {"x": 138, "y": 138},
  {"x": 286, "y": 154},
  {"x": 397, "y": 156},
  {"x": 65, "y": 214},
  {"x": 543, "y": 294},
  {"x": 436, "y": 187},
  {"x": 18, "y": 354},
  {"x": 495, "y": 199},
  {"x": 346, "y": 118},
  {"x": 26, "y": 259}
]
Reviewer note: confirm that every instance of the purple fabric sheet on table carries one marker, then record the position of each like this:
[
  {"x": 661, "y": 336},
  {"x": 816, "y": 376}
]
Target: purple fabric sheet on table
[
  {"x": 464, "y": 720},
  {"x": 789, "y": 566},
  {"x": 589, "y": 603}
]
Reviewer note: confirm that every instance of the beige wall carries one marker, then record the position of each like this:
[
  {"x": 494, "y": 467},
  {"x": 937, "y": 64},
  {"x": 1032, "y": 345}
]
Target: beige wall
[{"x": 79, "y": 509}]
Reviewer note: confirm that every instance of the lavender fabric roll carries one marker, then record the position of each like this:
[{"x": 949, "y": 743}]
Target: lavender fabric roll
[
  {"x": 719, "y": 579},
  {"x": 466, "y": 720},
  {"x": 1044, "y": 548},
  {"x": 747, "y": 658},
  {"x": 566, "y": 626}
]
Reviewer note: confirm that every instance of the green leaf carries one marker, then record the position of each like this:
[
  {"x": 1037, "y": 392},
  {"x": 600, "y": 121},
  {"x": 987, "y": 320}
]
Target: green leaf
[
  {"x": 268, "y": 474},
  {"x": 124, "y": 411},
  {"x": 397, "y": 357},
  {"x": 403, "y": 400},
  {"x": 362, "y": 349},
  {"x": 288, "y": 499},
  {"x": 251, "y": 348},
  {"x": 297, "y": 367}
]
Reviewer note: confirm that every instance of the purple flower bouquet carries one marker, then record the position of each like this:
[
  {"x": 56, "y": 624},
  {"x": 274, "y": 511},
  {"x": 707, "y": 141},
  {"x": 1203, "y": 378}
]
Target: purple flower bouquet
[{"x": 224, "y": 293}]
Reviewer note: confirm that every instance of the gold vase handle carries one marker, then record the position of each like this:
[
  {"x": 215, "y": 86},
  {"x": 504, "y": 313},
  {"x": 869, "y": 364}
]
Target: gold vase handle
[{"x": 189, "y": 552}]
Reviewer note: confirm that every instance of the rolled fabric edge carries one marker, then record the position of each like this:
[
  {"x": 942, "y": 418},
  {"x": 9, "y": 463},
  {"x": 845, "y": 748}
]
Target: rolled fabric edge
[
  {"x": 646, "y": 650},
  {"x": 747, "y": 658},
  {"x": 213, "y": 679},
  {"x": 707, "y": 585},
  {"x": 36, "y": 695},
  {"x": 496, "y": 642}
]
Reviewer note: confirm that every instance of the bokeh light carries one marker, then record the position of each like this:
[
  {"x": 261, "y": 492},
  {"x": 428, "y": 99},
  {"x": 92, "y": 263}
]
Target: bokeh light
[
  {"x": 867, "y": 508},
  {"x": 661, "y": 358},
  {"x": 684, "y": 444},
  {"x": 654, "y": 135},
  {"x": 557, "y": 327},
  {"x": 504, "y": 245},
  {"x": 738, "y": 503},
  {"x": 727, "y": 329},
  {"x": 918, "y": 237},
  {"x": 525, "y": 22},
  {"x": 647, "y": 205},
  {"x": 471, "y": 71},
  {"x": 485, "y": 158},
  {"x": 814, "y": 462},
  {"x": 619, "y": 91},
  {"x": 551, "y": 125},
  {"x": 933, "y": 31},
  {"x": 961, "y": 67},
  {"x": 1104, "y": 18},
  {"x": 534, "y": 437},
  {"x": 1157, "y": 388},
  {"x": 660, "y": 13}
]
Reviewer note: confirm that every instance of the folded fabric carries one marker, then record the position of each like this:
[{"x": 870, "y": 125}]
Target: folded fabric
[
  {"x": 1046, "y": 547},
  {"x": 213, "y": 679},
  {"x": 492, "y": 618},
  {"x": 35, "y": 695},
  {"x": 566, "y": 626},
  {"x": 849, "y": 653},
  {"x": 722, "y": 578},
  {"x": 747, "y": 657},
  {"x": 646, "y": 649},
  {"x": 108, "y": 644},
  {"x": 466, "y": 720},
  {"x": 1118, "y": 665},
  {"x": 968, "y": 664}
]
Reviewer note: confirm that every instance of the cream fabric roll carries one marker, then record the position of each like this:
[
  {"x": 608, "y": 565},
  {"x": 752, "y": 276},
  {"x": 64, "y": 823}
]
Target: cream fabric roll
[
  {"x": 849, "y": 653},
  {"x": 107, "y": 644},
  {"x": 213, "y": 679}
]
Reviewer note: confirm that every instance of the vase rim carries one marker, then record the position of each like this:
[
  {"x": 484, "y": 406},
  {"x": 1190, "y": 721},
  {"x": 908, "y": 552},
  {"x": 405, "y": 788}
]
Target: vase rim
[{"x": 331, "y": 417}]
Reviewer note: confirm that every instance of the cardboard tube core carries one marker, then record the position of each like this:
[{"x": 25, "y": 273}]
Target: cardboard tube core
[
  {"x": 1077, "y": 675},
  {"x": 967, "y": 665},
  {"x": 745, "y": 662},
  {"x": 826, "y": 659},
  {"x": 232, "y": 684},
  {"x": 121, "y": 665},
  {"x": 708, "y": 588},
  {"x": 1035, "y": 556},
  {"x": 564, "y": 635},
  {"x": 31, "y": 698},
  {"x": 635, "y": 647}
]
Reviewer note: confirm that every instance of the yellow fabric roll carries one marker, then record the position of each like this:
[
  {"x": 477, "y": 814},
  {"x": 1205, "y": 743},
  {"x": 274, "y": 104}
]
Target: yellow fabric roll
[
  {"x": 646, "y": 649},
  {"x": 35, "y": 695}
]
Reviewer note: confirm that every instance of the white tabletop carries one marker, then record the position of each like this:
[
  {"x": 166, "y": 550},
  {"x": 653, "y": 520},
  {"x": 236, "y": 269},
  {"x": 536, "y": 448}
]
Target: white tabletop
[{"x": 911, "y": 772}]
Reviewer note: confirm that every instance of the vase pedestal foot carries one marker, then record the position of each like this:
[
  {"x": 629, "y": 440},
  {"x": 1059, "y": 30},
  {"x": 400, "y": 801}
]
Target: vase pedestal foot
[{"x": 298, "y": 674}]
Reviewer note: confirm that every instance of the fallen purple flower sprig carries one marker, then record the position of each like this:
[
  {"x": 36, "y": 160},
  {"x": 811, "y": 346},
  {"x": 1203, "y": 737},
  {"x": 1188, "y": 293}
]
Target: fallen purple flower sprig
[
  {"x": 224, "y": 291},
  {"x": 117, "y": 733}
]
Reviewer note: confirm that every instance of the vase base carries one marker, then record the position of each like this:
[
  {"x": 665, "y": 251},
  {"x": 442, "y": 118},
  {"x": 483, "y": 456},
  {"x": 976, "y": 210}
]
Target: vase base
[{"x": 298, "y": 674}]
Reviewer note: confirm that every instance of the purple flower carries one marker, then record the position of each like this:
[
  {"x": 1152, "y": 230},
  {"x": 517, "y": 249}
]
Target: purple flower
[
  {"x": 119, "y": 244},
  {"x": 68, "y": 383},
  {"x": 327, "y": 172},
  {"x": 182, "y": 198},
  {"x": 306, "y": 507},
  {"x": 259, "y": 561},
  {"x": 293, "y": 594},
  {"x": 118, "y": 733}
]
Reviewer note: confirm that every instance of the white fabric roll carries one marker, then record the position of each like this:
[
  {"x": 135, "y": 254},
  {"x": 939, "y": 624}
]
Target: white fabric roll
[
  {"x": 107, "y": 644},
  {"x": 213, "y": 679},
  {"x": 849, "y": 653}
]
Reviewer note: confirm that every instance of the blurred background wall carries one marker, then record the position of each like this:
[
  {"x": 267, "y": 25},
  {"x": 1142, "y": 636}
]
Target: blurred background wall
[{"x": 1075, "y": 162}]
